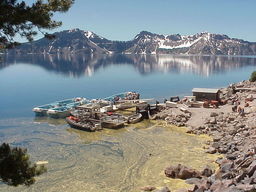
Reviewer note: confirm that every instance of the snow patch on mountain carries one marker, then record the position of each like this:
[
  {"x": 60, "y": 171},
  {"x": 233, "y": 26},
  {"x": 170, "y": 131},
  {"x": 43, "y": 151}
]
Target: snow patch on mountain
[
  {"x": 88, "y": 34},
  {"x": 163, "y": 44}
]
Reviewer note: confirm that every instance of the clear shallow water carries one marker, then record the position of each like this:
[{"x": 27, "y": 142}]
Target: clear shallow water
[
  {"x": 122, "y": 160},
  {"x": 111, "y": 160}
]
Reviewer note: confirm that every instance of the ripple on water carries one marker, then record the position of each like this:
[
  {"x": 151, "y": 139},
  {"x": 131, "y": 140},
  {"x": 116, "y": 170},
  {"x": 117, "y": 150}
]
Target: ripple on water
[{"x": 110, "y": 160}]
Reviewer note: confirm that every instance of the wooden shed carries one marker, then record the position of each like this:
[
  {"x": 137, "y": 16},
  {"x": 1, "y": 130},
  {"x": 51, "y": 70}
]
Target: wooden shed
[{"x": 206, "y": 94}]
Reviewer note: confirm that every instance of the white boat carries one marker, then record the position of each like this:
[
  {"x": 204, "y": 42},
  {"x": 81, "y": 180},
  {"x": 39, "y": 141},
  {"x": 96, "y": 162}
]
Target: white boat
[{"x": 59, "y": 107}]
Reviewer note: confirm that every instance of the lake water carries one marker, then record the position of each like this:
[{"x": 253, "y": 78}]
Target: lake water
[
  {"x": 122, "y": 160},
  {"x": 29, "y": 81}
]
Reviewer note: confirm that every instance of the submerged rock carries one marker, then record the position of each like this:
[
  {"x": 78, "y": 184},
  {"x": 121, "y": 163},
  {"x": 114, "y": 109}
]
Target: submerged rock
[{"x": 181, "y": 172}]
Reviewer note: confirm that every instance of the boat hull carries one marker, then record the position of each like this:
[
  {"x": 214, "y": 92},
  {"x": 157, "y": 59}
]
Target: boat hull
[
  {"x": 135, "y": 118},
  {"x": 40, "y": 112},
  {"x": 112, "y": 125},
  {"x": 81, "y": 126},
  {"x": 57, "y": 114}
]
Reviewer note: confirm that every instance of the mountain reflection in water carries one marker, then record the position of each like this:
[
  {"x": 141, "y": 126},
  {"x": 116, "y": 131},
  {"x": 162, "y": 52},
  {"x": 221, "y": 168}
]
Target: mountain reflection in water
[{"x": 78, "y": 65}]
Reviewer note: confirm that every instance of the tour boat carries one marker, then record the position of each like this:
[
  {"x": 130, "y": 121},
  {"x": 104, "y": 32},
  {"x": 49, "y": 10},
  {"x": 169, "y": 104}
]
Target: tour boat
[
  {"x": 63, "y": 111},
  {"x": 59, "y": 106}
]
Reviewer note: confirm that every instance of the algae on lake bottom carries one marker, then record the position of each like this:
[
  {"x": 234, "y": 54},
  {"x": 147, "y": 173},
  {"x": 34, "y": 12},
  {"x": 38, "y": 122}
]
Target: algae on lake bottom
[{"x": 110, "y": 160}]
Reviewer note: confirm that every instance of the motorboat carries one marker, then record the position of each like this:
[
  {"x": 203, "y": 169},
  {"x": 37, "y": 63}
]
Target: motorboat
[{"x": 59, "y": 108}]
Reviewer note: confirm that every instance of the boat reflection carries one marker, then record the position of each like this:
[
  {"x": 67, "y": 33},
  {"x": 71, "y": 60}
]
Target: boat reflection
[{"x": 78, "y": 65}]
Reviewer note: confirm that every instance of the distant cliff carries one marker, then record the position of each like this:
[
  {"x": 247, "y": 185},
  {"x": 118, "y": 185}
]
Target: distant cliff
[{"x": 76, "y": 41}]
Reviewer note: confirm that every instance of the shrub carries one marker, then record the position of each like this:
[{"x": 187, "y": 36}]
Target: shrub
[{"x": 253, "y": 76}]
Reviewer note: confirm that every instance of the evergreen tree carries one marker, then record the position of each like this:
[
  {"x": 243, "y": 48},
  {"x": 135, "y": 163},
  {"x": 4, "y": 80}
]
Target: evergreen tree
[
  {"x": 19, "y": 18},
  {"x": 15, "y": 166}
]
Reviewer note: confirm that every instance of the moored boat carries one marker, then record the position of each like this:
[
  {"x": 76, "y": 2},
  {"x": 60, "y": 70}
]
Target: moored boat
[
  {"x": 84, "y": 125},
  {"x": 113, "y": 121},
  {"x": 88, "y": 110},
  {"x": 126, "y": 104},
  {"x": 135, "y": 118},
  {"x": 59, "y": 112},
  {"x": 42, "y": 110},
  {"x": 111, "y": 124},
  {"x": 59, "y": 108},
  {"x": 123, "y": 96}
]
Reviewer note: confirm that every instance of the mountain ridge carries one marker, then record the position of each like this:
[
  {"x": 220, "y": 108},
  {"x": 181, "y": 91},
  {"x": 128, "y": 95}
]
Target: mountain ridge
[{"x": 88, "y": 42}]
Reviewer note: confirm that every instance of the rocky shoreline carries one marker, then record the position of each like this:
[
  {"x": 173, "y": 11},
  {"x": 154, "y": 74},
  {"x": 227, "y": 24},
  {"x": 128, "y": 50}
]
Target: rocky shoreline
[{"x": 233, "y": 129}]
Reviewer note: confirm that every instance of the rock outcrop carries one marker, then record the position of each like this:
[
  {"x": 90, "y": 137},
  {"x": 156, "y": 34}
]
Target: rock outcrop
[{"x": 234, "y": 136}]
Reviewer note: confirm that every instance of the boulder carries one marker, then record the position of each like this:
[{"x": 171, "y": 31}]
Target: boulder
[
  {"x": 231, "y": 157},
  {"x": 207, "y": 171},
  {"x": 201, "y": 127},
  {"x": 227, "y": 175},
  {"x": 214, "y": 114},
  {"x": 222, "y": 150},
  {"x": 213, "y": 120},
  {"x": 190, "y": 130},
  {"x": 246, "y": 187},
  {"x": 211, "y": 150},
  {"x": 246, "y": 163},
  {"x": 181, "y": 172},
  {"x": 251, "y": 169},
  {"x": 216, "y": 145},
  {"x": 221, "y": 186},
  {"x": 232, "y": 130},
  {"x": 193, "y": 181},
  {"x": 204, "y": 185},
  {"x": 240, "y": 177},
  {"x": 186, "y": 173},
  {"x": 217, "y": 138},
  {"x": 171, "y": 171},
  {"x": 253, "y": 178},
  {"x": 226, "y": 166},
  {"x": 231, "y": 118}
]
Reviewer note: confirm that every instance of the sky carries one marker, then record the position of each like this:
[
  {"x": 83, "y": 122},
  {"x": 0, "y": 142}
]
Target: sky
[{"x": 123, "y": 19}]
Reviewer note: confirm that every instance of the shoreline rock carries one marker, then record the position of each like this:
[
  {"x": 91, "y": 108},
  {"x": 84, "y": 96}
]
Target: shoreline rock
[{"x": 233, "y": 129}]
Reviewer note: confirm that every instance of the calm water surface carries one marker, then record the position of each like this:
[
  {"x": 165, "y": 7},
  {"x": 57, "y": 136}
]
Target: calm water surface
[
  {"x": 30, "y": 81},
  {"x": 122, "y": 160}
]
